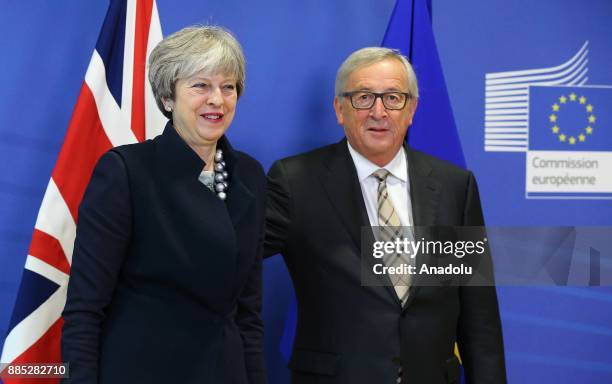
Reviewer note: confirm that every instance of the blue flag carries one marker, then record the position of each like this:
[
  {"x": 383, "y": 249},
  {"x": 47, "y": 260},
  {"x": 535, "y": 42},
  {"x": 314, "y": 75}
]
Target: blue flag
[
  {"x": 433, "y": 130},
  {"x": 570, "y": 118},
  {"x": 569, "y": 142}
]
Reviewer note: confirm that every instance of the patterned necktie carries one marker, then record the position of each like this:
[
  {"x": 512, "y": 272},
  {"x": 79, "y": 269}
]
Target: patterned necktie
[{"x": 390, "y": 229}]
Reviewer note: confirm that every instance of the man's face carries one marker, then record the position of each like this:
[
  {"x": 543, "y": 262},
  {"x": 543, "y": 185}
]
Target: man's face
[{"x": 376, "y": 133}]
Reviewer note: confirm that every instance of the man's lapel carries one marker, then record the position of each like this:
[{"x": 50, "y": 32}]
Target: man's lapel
[
  {"x": 424, "y": 197},
  {"x": 341, "y": 183},
  {"x": 424, "y": 189}
]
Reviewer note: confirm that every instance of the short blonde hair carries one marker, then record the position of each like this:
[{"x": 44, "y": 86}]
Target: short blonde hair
[{"x": 194, "y": 49}]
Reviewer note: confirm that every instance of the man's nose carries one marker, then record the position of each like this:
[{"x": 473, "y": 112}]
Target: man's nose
[{"x": 378, "y": 110}]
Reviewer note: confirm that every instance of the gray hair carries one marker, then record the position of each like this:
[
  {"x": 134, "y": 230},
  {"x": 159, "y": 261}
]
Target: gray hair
[
  {"x": 372, "y": 55},
  {"x": 211, "y": 49}
]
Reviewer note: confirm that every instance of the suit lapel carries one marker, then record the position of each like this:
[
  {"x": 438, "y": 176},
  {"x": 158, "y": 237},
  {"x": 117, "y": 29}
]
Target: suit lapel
[
  {"x": 343, "y": 189},
  {"x": 424, "y": 198},
  {"x": 341, "y": 184},
  {"x": 239, "y": 198},
  {"x": 179, "y": 162},
  {"x": 238, "y": 203},
  {"x": 424, "y": 190}
]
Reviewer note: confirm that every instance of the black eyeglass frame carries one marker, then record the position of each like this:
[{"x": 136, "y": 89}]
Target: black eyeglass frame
[{"x": 377, "y": 95}]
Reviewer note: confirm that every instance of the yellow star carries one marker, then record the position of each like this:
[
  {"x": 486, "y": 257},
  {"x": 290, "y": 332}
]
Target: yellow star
[
  {"x": 589, "y": 130},
  {"x": 552, "y": 118},
  {"x": 572, "y": 96},
  {"x": 589, "y": 108},
  {"x": 591, "y": 119},
  {"x": 562, "y": 137},
  {"x": 581, "y": 137},
  {"x": 562, "y": 99},
  {"x": 572, "y": 140},
  {"x": 582, "y": 100},
  {"x": 555, "y": 129},
  {"x": 555, "y": 107}
]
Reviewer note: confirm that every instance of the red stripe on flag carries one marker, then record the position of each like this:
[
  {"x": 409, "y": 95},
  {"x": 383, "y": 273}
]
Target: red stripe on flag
[
  {"x": 85, "y": 142},
  {"x": 44, "y": 350},
  {"x": 48, "y": 249},
  {"x": 141, "y": 38}
]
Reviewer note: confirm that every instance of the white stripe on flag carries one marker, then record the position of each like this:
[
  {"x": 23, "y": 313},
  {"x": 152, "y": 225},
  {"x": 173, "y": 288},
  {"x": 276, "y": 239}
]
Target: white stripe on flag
[
  {"x": 154, "y": 119},
  {"x": 54, "y": 218},
  {"x": 35, "y": 325},
  {"x": 46, "y": 270},
  {"x": 128, "y": 66},
  {"x": 116, "y": 127}
]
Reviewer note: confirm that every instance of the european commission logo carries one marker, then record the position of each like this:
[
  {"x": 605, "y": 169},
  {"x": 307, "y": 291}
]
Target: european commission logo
[{"x": 562, "y": 124}]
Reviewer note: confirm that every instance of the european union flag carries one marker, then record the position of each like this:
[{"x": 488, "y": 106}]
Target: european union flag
[
  {"x": 577, "y": 118},
  {"x": 433, "y": 130}
]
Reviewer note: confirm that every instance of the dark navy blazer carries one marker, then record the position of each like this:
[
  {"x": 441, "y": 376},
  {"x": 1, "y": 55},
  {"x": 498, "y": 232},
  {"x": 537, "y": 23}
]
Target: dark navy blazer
[{"x": 165, "y": 284}]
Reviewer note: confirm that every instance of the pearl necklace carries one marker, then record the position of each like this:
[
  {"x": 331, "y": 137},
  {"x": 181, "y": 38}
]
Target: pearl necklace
[{"x": 221, "y": 176}]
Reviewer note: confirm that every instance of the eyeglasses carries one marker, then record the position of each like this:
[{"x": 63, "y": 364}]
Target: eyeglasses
[{"x": 365, "y": 99}]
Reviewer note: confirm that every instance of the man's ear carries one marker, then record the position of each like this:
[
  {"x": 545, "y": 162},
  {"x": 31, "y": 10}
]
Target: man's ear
[
  {"x": 412, "y": 106},
  {"x": 339, "y": 108}
]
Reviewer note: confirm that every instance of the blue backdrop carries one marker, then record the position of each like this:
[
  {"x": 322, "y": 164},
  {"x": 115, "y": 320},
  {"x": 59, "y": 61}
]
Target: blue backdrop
[
  {"x": 552, "y": 335},
  {"x": 293, "y": 50}
]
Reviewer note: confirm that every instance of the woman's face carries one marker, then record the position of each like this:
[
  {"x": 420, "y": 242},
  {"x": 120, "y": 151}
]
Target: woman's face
[{"x": 203, "y": 107}]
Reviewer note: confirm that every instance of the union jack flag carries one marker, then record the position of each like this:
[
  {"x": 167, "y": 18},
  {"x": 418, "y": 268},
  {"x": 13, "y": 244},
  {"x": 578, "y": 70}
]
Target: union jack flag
[{"x": 115, "y": 107}]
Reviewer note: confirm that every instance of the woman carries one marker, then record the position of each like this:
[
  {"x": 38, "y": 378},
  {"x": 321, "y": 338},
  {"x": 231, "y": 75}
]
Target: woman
[{"x": 165, "y": 284}]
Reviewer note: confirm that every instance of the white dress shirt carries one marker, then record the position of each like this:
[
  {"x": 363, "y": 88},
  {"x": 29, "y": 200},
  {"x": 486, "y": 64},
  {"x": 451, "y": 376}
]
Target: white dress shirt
[{"x": 398, "y": 185}]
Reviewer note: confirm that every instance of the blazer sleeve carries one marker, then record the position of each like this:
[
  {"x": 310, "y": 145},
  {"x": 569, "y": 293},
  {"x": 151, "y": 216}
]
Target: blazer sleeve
[
  {"x": 248, "y": 317},
  {"x": 479, "y": 335},
  {"x": 103, "y": 235},
  {"x": 278, "y": 210}
]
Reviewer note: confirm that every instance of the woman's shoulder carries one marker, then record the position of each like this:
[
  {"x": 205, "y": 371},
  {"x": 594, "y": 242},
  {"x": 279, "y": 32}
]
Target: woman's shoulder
[
  {"x": 250, "y": 171},
  {"x": 134, "y": 155},
  {"x": 144, "y": 148},
  {"x": 247, "y": 163}
]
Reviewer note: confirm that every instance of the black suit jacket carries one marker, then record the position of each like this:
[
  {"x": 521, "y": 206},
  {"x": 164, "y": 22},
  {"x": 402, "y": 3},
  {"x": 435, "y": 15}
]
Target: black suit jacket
[
  {"x": 165, "y": 284},
  {"x": 349, "y": 333}
]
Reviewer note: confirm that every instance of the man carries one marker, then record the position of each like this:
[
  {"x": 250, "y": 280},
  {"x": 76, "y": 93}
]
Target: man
[{"x": 349, "y": 332}]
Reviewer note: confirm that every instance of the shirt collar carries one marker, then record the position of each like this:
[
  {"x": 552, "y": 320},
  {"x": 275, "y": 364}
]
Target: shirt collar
[{"x": 398, "y": 166}]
